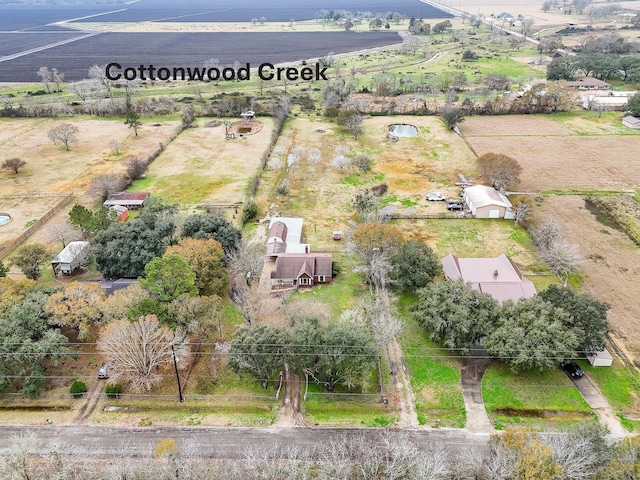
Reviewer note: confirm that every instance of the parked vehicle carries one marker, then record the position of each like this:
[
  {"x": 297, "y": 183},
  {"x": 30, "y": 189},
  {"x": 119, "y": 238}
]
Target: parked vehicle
[
  {"x": 435, "y": 197},
  {"x": 102, "y": 373},
  {"x": 451, "y": 201},
  {"x": 455, "y": 206},
  {"x": 572, "y": 368}
]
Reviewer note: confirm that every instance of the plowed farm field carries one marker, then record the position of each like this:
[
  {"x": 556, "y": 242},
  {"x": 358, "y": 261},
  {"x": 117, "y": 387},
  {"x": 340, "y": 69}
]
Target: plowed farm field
[{"x": 553, "y": 156}]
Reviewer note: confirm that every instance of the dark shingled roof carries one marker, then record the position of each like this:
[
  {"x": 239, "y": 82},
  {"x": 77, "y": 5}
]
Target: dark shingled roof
[{"x": 294, "y": 265}]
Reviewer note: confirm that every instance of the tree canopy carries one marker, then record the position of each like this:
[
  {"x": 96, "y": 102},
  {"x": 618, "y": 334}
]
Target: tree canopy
[
  {"x": 27, "y": 343},
  {"x": 415, "y": 265},
  {"x": 79, "y": 305},
  {"x": 169, "y": 277},
  {"x": 532, "y": 333},
  {"x": 31, "y": 259},
  {"x": 633, "y": 105},
  {"x": 124, "y": 249},
  {"x": 499, "y": 170},
  {"x": 455, "y": 314},
  {"x": 212, "y": 226},
  {"x": 205, "y": 257},
  {"x": 587, "y": 315}
]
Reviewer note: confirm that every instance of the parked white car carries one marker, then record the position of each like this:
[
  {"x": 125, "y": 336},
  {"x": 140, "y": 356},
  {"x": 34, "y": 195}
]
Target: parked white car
[{"x": 435, "y": 197}]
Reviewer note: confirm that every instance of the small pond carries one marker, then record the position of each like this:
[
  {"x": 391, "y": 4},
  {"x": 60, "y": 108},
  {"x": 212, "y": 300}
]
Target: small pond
[
  {"x": 403, "y": 130},
  {"x": 4, "y": 218}
]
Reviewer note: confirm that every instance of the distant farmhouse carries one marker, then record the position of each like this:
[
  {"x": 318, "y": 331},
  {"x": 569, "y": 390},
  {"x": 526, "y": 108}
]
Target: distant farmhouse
[
  {"x": 588, "y": 83},
  {"x": 72, "y": 257},
  {"x": 487, "y": 202},
  {"x": 499, "y": 276},
  {"x": 130, "y": 200}
]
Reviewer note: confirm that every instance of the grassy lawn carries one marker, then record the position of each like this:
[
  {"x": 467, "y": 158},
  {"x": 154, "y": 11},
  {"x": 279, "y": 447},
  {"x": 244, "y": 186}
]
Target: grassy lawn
[
  {"x": 212, "y": 411},
  {"x": 546, "y": 400},
  {"x": 618, "y": 384},
  {"x": 342, "y": 293},
  {"x": 435, "y": 377},
  {"x": 326, "y": 410}
]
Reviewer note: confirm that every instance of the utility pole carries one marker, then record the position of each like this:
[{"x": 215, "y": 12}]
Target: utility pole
[{"x": 175, "y": 365}]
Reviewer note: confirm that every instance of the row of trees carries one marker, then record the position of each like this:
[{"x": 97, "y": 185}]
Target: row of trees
[
  {"x": 516, "y": 454},
  {"x": 339, "y": 353},
  {"x": 599, "y": 65},
  {"x": 558, "y": 323}
]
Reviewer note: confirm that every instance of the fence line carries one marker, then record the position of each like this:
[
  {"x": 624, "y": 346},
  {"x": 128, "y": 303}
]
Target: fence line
[
  {"x": 29, "y": 231},
  {"x": 442, "y": 216},
  {"x": 34, "y": 195}
]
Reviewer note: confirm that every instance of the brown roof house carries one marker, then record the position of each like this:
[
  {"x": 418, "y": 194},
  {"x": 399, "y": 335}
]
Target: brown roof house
[
  {"x": 284, "y": 236},
  {"x": 301, "y": 269},
  {"x": 588, "y": 83},
  {"x": 499, "y": 276},
  {"x": 130, "y": 200}
]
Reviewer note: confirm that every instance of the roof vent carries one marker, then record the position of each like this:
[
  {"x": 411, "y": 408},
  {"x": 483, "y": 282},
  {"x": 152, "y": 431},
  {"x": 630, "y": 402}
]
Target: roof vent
[{"x": 495, "y": 274}]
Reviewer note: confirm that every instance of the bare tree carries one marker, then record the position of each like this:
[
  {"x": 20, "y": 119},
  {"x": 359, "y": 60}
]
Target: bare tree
[
  {"x": 64, "y": 133},
  {"x": 99, "y": 75},
  {"x": 522, "y": 212},
  {"x": 136, "y": 168},
  {"x": 14, "y": 164},
  {"x": 104, "y": 185},
  {"x": 142, "y": 351},
  {"x": 562, "y": 257},
  {"x": 546, "y": 233},
  {"x": 84, "y": 88},
  {"x": 115, "y": 146},
  {"x": 314, "y": 156},
  {"x": 354, "y": 125},
  {"x": 45, "y": 77},
  {"x": 130, "y": 87},
  {"x": 62, "y": 232},
  {"x": 341, "y": 162},
  {"x": 413, "y": 44},
  {"x": 246, "y": 260},
  {"x": 58, "y": 77},
  {"x": 247, "y": 300}
]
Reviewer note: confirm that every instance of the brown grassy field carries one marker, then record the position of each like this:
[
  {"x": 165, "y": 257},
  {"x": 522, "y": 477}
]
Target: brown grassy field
[
  {"x": 583, "y": 152},
  {"x": 553, "y": 156},
  {"x": 51, "y": 169},
  {"x": 201, "y": 166},
  {"x": 611, "y": 267},
  {"x": 410, "y": 167}
]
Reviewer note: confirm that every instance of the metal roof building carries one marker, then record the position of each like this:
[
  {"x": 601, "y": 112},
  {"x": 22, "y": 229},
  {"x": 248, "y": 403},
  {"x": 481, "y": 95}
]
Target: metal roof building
[{"x": 499, "y": 276}]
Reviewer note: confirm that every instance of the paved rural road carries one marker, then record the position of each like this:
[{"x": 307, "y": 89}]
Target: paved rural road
[{"x": 214, "y": 442}]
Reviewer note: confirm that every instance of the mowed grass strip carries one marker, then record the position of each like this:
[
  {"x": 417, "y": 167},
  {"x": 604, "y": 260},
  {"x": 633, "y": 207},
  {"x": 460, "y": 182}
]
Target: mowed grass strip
[
  {"x": 621, "y": 386},
  {"x": 328, "y": 410},
  {"x": 543, "y": 399},
  {"x": 434, "y": 373}
]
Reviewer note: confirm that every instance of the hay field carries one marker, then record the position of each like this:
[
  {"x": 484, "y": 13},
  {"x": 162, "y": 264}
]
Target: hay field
[
  {"x": 611, "y": 267},
  {"x": 553, "y": 156},
  {"x": 201, "y": 166},
  {"x": 50, "y": 169}
]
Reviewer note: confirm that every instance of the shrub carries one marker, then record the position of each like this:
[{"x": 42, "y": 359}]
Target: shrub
[
  {"x": 249, "y": 212},
  {"x": 363, "y": 162},
  {"x": 283, "y": 189},
  {"x": 77, "y": 389},
  {"x": 165, "y": 448},
  {"x": 113, "y": 390},
  {"x": 380, "y": 189}
]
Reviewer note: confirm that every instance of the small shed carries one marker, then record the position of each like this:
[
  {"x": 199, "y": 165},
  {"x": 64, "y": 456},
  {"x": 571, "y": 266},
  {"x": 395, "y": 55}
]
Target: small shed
[
  {"x": 487, "y": 202},
  {"x": 122, "y": 212},
  {"x": 600, "y": 359},
  {"x": 72, "y": 257},
  {"x": 337, "y": 235},
  {"x": 631, "y": 122}
]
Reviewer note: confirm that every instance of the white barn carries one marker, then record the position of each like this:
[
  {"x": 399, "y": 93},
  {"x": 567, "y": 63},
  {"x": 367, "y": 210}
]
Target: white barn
[
  {"x": 72, "y": 257},
  {"x": 487, "y": 202}
]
